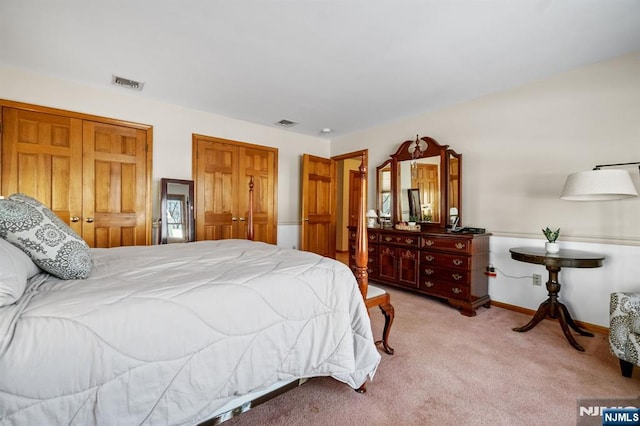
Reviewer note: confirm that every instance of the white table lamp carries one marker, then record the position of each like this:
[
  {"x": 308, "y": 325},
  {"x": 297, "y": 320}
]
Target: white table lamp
[{"x": 371, "y": 218}]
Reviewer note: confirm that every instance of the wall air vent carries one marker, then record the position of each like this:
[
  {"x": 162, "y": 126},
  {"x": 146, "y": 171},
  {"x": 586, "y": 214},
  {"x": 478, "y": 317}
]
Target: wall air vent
[
  {"x": 286, "y": 123},
  {"x": 126, "y": 83}
]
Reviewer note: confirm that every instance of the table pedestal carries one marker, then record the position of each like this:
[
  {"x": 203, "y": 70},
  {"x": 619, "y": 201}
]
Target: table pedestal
[{"x": 554, "y": 309}]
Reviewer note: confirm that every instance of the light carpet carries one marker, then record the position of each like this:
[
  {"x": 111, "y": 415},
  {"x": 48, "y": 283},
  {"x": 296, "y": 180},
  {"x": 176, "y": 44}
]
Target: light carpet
[{"x": 449, "y": 369}]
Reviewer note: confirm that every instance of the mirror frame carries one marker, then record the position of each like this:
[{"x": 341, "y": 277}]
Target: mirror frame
[
  {"x": 454, "y": 186},
  {"x": 434, "y": 149},
  {"x": 384, "y": 166},
  {"x": 164, "y": 187}
]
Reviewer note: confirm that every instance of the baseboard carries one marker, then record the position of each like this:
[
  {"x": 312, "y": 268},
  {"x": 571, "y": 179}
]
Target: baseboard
[{"x": 587, "y": 326}]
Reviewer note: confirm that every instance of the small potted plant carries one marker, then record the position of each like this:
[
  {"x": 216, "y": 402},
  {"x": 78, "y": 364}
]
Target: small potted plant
[{"x": 551, "y": 246}]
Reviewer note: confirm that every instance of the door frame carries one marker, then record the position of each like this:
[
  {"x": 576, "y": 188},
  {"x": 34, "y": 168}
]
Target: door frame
[{"x": 362, "y": 155}]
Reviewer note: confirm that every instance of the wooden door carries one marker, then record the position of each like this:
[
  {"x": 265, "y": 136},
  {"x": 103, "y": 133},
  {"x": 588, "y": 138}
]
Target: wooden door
[
  {"x": 222, "y": 170},
  {"x": 42, "y": 158},
  {"x": 318, "y": 205},
  {"x": 355, "y": 189},
  {"x": 115, "y": 190},
  {"x": 426, "y": 181},
  {"x": 216, "y": 175},
  {"x": 258, "y": 164}
]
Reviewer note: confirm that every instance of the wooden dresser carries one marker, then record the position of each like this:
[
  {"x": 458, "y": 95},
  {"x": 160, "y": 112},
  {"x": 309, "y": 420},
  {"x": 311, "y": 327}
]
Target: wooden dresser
[{"x": 434, "y": 262}]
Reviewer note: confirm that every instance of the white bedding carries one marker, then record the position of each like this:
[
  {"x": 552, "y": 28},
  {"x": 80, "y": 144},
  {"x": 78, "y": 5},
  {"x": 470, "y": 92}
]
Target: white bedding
[{"x": 168, "y": 334}]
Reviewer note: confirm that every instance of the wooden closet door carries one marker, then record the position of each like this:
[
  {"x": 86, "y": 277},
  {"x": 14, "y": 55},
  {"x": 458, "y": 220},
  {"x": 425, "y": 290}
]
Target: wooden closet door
[
  {"x": 42, "y": 158},
  {"x": 216, "y": 176},
  {"x": 260, "y": 164},
  {"x": 115, "y": 190},
  {"x": 222, "y": 170}
]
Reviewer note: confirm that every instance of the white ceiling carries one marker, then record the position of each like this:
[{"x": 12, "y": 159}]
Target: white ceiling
[{"x": 341, "y": 64}]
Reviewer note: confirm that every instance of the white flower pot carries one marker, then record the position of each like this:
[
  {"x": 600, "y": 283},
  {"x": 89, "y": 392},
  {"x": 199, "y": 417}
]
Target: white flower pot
[{"x": 552, "y": 247}]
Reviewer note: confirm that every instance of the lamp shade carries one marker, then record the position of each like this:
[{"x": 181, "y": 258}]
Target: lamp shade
[
  {"x": 598, "y": 185},
  {"x": 372, "y": 213}
]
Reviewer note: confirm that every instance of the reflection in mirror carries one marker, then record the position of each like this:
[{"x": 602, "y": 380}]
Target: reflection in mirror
[
  {"x": 424, "y": 175},
  {"x": 453, "y": 206},
  {"x": 384, "y": 193},
  {"x": 177, "y": 211}
]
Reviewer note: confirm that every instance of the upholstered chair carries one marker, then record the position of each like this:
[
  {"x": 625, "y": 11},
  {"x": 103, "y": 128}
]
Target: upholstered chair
[{"x": 624, "y": 330}]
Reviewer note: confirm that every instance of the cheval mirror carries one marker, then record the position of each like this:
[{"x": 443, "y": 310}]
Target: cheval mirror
[
  {"x": 177, "y": 215},
  {"x": 421, "y": 183}
]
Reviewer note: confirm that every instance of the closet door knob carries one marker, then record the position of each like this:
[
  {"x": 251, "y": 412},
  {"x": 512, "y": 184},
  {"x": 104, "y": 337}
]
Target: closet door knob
[
  {"x": 241, "y": 219},
  {"x": 235, "y": 219},
  {"x": 89, "y": 220},
  {"x": 75, "y": 219}
]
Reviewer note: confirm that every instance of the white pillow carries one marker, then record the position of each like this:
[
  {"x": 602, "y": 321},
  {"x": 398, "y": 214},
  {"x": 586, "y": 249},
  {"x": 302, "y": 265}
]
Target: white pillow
[
  {"x": 15, "y": 269},
  {"x": 52, "y": 244}
]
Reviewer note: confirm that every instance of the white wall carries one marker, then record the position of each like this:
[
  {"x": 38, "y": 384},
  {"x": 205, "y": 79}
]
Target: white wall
[
  {"x": 518, "y": 147},
  {"x": 172, "y": 129}
]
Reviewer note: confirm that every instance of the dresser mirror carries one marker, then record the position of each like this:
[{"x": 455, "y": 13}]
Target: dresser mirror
[
  {"x": 425, "y": 183},
  {"x": 176, "y": 204},
  {"x": 383, "y": 173}
]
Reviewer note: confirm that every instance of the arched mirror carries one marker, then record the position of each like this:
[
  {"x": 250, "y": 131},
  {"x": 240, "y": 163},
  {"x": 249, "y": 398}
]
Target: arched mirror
[
  {"x": 177, "y": 223},
  {"x": 425, "y": 184}
]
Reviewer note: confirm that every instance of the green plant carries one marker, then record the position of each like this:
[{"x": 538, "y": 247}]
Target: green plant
[
  {"x": 413, "y": 218},
  {"x": 552, "y": 236}
]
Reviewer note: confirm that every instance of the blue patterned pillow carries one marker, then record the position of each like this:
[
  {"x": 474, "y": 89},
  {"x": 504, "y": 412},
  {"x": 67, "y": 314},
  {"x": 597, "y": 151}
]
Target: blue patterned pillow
[{"x": 51, "y": 244}]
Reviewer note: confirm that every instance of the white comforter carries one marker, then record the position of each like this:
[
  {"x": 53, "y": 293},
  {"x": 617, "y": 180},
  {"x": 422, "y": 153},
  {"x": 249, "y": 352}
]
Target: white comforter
[{"x": 168, "y": 334}]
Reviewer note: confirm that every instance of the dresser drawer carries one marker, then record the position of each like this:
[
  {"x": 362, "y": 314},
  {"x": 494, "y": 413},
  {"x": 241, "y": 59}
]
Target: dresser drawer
[
  {"x": 372, "y": 237},
  {"x": 446, "y": 260},
  {"x": 454, "y": 276},
  {"x": 371, "y": 259},
  {"x": 444, "y": 289},
  {"x": 459, "y": 245},
  {"x": 401, "y": 240}
]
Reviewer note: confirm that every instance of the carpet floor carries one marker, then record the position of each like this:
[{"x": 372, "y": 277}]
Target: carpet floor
[{"x": 449, "y": 369}]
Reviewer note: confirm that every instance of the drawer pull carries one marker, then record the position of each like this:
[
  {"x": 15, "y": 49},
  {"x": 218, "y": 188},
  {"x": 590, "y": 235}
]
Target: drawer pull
[
  {"x": 456, "y": 276},
  {"x": 428, "y": 283},
  {"x": 460, "y": 246},
  {"x": 429, "y": 258},
  {"x": 388, "y": 239},
  {"x": 372, "y": 237},
  {"x": 428, "y": 271},
  {"x": 429, "y": 243},
  {"x": 409, "y": 240},
  {"x": 458, "y": 262},
  {"x": 456, "y": 290}
]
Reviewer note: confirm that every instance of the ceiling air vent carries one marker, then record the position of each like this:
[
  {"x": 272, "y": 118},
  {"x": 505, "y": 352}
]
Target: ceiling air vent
[
  {"x": 286, "y": 123},
  {"x": 126, "y": 83}
]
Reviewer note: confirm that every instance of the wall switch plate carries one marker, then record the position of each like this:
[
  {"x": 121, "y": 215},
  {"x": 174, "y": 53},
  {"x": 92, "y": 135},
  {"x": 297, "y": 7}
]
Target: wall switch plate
[{"x": 537, "y": 279}]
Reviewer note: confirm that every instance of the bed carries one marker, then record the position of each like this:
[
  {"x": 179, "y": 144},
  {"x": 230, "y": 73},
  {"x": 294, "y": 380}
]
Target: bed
[{"x": 177, "y": 334}]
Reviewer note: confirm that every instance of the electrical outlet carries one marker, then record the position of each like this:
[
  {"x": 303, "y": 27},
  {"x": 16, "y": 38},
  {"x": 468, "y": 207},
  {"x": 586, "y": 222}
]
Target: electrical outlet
[{"x": 537, "y": 279}]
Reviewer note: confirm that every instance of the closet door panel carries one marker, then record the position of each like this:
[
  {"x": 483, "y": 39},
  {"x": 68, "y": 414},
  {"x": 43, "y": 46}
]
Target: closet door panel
[
  {"x": 217, "y": 212},
  {"x": 42, "y": 158},
  {"x": 115, "y": 185},
  {"x": 260, "y": 164}
]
